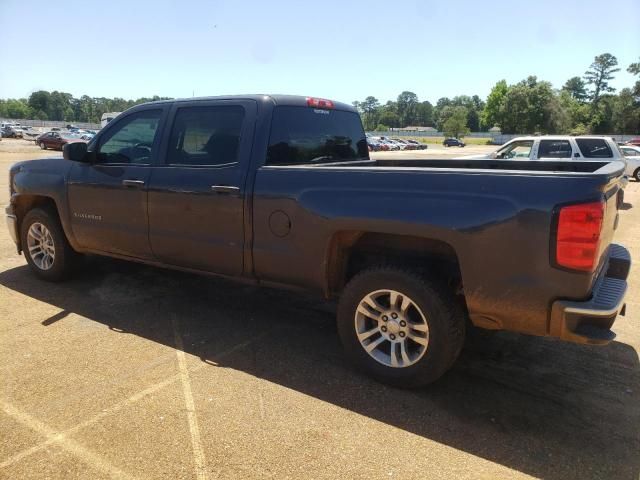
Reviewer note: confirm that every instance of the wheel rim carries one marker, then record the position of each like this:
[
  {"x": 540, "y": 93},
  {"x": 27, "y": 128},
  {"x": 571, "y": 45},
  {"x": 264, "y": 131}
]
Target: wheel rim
[
  {"x": 391, "y": 328},
  {"x": 41, "y": 247}
]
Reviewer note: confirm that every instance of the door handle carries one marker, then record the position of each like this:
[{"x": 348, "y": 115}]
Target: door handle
[
  {"x": 225, "y": 189},
  {"x": 133, "y": 183}
]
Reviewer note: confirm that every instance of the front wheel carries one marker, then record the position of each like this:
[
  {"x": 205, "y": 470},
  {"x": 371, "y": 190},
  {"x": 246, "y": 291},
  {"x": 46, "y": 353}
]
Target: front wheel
[
  {"x": 45, "y": 245},
  {"x": 43, "y": 146},
  {"x": 636, "y": 174},
  {"x": 397, "y": 326}
]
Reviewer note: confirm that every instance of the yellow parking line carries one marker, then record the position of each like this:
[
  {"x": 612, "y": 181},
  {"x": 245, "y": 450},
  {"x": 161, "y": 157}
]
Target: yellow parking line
[
  {"x": 194, "y": 430},
  {"x": 59, "y": 437},
  {"x": 70, "y": 445}
]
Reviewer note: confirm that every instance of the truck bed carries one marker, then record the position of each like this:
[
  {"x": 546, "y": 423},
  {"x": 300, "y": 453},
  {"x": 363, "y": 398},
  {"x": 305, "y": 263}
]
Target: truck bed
[{"x": 600, "y": 167}]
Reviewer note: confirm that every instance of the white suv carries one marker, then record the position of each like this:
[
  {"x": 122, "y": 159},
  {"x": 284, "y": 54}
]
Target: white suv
[{"x": 557, "y": 148}]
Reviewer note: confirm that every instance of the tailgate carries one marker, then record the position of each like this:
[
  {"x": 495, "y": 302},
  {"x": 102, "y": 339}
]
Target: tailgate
[{"x": 614, "y": 197}]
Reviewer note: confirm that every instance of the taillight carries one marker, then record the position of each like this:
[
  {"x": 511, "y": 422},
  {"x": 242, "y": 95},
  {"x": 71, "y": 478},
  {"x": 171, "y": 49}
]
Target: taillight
[
  {"x": 319, "y": 103},
  {"x": 578, "y": 237}
]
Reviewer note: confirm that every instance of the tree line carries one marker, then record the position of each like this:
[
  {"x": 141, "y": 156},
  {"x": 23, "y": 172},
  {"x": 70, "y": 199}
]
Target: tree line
[
  {"x": 586, "y": 104},
  {"x": 44, "y": 105}
]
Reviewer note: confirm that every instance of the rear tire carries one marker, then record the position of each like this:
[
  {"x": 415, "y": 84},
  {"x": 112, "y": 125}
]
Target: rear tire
[
  {"x": 434, "y": 320},
  {"x": 45, "y": 245},
  {"x": 636, "y": 174},
  {"x": 43, "y": 146}
]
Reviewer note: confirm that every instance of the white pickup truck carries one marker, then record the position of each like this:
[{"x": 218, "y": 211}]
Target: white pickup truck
[{"x": 556, "y": 147}]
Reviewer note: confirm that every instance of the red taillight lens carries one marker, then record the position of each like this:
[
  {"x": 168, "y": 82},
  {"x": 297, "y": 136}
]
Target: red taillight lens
[
  {"x": 319, "y": 103},
  {"x": 578, "y": 238}
]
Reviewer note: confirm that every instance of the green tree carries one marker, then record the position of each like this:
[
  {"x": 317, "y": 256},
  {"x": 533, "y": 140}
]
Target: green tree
[
  {"x": 491, "y": 114},
  {"x": 407, "y": 108},
  {"x": 634, "y": 69},
  {"x": 390, "y": 118},
  {"x": 599, "y": 75},
  {"x": 625, "y": 115},
  {"x": 17, "y": 108},
  {"x": 456, "y": 123},
  {"x": 370, "y": 112},
  {"x": 39, "y": 102},
  {"x": 576, "y": 87},
  {"x": 424, "y": 114}
]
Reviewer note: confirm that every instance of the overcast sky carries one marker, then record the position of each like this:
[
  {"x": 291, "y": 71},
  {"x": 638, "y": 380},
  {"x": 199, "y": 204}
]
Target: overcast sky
[{"x": 343, "y": 50}]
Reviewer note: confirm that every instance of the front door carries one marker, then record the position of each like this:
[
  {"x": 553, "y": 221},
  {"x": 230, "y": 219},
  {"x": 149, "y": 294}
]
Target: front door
[
  {"x": 196, "y": 194},
  {"x": 108, "y": 198}
]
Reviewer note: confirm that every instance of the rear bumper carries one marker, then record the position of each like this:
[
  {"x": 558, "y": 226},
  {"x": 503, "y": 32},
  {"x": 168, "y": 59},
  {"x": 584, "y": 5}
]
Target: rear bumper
[{"x": 590, "y": 321}]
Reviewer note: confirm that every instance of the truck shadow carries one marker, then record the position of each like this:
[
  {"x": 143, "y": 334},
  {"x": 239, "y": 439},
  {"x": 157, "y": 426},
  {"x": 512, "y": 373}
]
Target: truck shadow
[{"x": 538, "y": 406}]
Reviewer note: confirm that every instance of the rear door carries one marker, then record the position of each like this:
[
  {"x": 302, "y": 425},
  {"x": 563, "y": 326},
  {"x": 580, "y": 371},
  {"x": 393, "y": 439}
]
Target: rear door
[{"x": 196, "y": 196}]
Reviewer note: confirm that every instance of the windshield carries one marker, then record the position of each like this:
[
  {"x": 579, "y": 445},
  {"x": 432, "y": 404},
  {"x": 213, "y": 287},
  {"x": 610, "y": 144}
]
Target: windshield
[{"x": 302, "y": 135}]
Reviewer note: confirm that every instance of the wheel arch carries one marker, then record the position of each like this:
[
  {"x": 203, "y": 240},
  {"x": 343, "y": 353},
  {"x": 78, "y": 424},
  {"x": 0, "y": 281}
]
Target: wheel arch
[
  {"x": 26, "y": 202},
  {"x": 352, "y": 251}
]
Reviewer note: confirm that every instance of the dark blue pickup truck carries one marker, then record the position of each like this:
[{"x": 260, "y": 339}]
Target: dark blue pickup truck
[{"x": 280, "y": 190}]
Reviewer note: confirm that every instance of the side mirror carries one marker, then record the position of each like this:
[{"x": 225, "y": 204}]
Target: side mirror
[{"x": 75, "y": 151}]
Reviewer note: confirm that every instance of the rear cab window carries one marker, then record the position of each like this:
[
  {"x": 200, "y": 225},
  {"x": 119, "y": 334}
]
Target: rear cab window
[
  {"x": 594, "y": 148},
  {"x": 307, "y": 136},
  {"x": 554, "y": 149}
]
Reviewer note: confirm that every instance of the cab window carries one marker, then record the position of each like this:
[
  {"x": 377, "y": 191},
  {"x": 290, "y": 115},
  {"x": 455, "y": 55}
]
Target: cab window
[
  {"x": 594, "y": 148},
  {"x": 520, "y": 149},
  {"x": 554, "y": 149},
  {"x": 131, "y": 140},
  {"x": 206, "y": 136}
]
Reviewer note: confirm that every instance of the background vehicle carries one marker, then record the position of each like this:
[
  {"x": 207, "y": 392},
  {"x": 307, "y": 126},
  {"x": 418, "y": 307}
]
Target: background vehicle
[
  {"x": 280, "y": 190},
  {"x": 374, "y": 144},
  {"x": 632, "y": 155},
  {"x": 55, "y": 140},
  {"x": 418, "y": 145},
  {"x": 12, "y": 131},
  {"x": 453, "y": 142},
  {"x": 556, "y": 147},
  {"x": 407, "y": 145},
  {"x": 107, "y": 117},
  {"x": 634, "y": 141}
]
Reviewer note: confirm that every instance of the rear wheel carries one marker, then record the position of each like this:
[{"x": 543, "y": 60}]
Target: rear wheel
[
  {"x": 43, "y": 146},
  {"x": 399, "y": 327},
  {"x": 636, "y": 174},
  {"x": 45, "y": 245}
]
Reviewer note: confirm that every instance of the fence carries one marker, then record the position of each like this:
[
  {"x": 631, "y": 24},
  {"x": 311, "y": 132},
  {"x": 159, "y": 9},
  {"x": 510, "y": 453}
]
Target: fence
[
  {"x": 51, "y": 123},
  {"x": 493, "y": 138}
]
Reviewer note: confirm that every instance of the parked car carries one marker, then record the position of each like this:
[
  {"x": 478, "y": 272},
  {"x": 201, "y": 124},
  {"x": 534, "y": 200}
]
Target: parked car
[
  {"x": 632, "y": 154},
  {"x": 87, "y": 137},
  {"x": 634, "y": 141},
  {"x": 412, "y": 248},
  {"x": 374, "y": 144},
  {"x": 55, "y": 140},
  {"x": 453, "y": 142},
  {"x": 408, "y": 145},
  {"x": 418, "y": 145},
  {"x": 12, "y": 131},
  {"x": 390, "y": 144},
  {"x": 107, "y": 117}
]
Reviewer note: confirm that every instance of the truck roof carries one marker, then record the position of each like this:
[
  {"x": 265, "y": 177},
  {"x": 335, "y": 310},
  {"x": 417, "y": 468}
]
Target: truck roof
[{"x": 277, "y": 99}]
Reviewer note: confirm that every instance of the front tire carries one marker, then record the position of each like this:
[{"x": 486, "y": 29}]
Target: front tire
[
  {"x": 45, "y": 245},
  {"x": 636, "y": 174},
  {"x": 399, "y": 327},
  {"x": 43, "y": 146}
]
